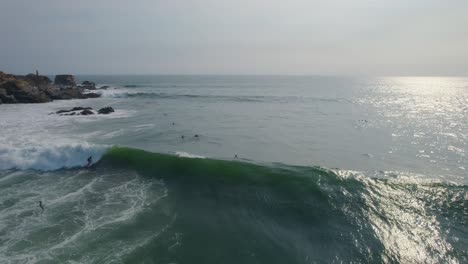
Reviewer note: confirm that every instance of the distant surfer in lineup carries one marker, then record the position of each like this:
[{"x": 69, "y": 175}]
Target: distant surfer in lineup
[
  {"x": 90, "y": 160},
  {"x": 41, "y": 206}
]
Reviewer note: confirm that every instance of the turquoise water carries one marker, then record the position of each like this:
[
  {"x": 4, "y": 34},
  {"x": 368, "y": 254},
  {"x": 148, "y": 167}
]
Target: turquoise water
[{"x": 283, "y": 170}]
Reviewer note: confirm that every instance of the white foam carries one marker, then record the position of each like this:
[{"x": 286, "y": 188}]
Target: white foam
[
  {"x": 188, "y": 155},
  {"x": 32, "y": 139},
  {"x": 50, "y": 157},
  {"x": 116, "y": 93},
  {"x": 84, "y": 210}
]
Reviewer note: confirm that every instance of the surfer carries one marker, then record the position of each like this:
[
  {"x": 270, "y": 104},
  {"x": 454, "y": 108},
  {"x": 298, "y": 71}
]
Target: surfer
[
  {"x": 90, "y": 160},
  {"x": 41, "y": 206}
]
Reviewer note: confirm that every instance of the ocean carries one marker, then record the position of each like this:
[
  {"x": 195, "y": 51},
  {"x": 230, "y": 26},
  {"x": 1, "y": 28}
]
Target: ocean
[{"x": 240, "y": 169}]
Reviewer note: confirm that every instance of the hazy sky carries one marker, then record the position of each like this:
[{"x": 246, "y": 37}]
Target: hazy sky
[{"x": 379, "y": 37}]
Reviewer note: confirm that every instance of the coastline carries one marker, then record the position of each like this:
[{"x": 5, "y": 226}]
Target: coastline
[{"x": 35, "y": 88}]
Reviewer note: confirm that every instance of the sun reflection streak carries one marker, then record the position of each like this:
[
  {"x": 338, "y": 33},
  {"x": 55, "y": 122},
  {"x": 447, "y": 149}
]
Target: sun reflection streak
[
  {"x": 408, "y": 215},
  {"x": 427, "y": 118}
]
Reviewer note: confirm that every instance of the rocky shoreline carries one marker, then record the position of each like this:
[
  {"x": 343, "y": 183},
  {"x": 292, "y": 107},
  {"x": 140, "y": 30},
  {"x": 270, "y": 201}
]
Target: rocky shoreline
[
  {"x": 35, "y": 88},
  {"x": 84, "y": 111}
]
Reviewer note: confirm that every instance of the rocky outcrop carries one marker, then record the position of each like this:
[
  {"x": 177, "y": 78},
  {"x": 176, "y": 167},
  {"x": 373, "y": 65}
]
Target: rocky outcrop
[
  {"x": 14, "y": 90},
  {"x": 71, "y": 93},
  {"x": 65, "y": 80},
  {"x": 88, "y": 85},
  {"x": 92, "y": 86},
  {"x": 36, "y": 80},
  {"x": 106, "y": 110},
  {"x": 79, "y": 110},
  {"x": 86, "y": 112},
  {"x": 39, "y": 89},
  {"x": 91, "y": 95}
]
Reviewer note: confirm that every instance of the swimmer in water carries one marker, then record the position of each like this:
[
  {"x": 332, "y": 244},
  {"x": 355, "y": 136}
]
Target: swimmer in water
[{"x": 41, "y": 206}]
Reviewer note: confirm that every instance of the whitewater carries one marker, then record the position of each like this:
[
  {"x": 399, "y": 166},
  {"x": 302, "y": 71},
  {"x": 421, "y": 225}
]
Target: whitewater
[{"x": 240, "y": 169}]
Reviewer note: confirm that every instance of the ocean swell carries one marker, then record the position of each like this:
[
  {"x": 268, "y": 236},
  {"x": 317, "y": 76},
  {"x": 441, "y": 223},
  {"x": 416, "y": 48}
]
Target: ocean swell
[
  {"x": 350, "y": 215},
  {"x": 155, "y": 95},
  {"x": 125, "y": 93},
  {"x": 269, "y": 213}
]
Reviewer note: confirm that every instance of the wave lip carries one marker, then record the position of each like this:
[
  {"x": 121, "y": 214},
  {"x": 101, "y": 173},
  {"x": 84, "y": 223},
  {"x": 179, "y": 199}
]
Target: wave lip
[
  {"x": 183, "y": 154},
  {"x": 50, "y": 157}
]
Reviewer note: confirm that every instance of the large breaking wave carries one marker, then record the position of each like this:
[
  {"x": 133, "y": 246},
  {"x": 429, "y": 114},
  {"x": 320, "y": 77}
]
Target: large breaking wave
[
  {"x": 301, "y": 211},
  {"x": 256, "y": 213}
]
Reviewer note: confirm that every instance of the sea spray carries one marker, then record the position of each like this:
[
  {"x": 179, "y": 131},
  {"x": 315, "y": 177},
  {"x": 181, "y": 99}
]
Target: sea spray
[{"x": 49, "y": 157}]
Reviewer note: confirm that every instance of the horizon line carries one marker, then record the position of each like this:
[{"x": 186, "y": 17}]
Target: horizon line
[{"x": 252, "y": 75}]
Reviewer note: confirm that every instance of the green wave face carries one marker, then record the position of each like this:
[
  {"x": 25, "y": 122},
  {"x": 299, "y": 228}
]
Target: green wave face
[{"x": 234, "y": 212}]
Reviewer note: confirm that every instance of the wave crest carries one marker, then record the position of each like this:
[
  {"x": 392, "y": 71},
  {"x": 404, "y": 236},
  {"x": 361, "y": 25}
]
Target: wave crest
[
  {"x": 50, "y": 157},
  {"x": 188, "y": 155}
]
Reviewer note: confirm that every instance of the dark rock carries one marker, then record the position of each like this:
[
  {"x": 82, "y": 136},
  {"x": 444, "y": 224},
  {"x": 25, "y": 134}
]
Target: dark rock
[
  {"x": 78, "y": 108},
  {"x": 5, "y": 98},
  {"x": 38, "y": 89},
  {"x": 66, "y": 94},
  {"x": 14, "y": 90},
  {"x": 4, "y": 77},
  {"x": 65, "y": 80},
  {"x": 36, "y": 80},
  {"x": 70, "y": 93},
  {"x": 88, "y": 85},
  {"x": 52, "y": 91},
  {"x": 91, "y": 95},
  {"x": 86, "y": 112},
  {"x": 106, "y": 110}
]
